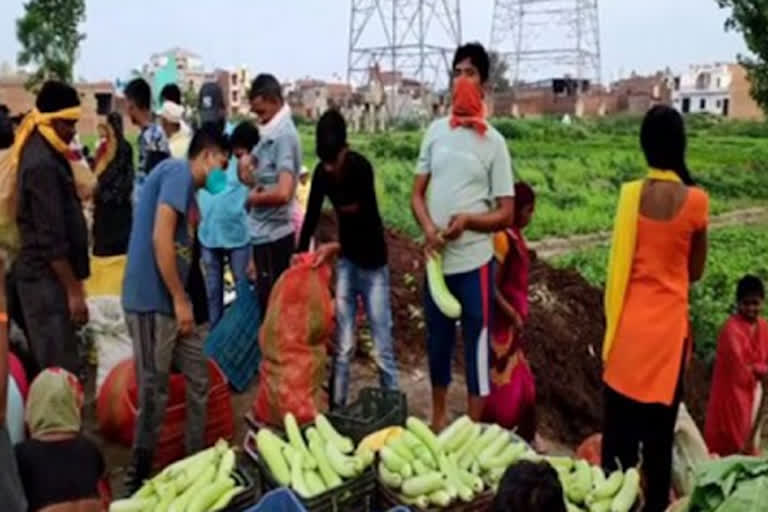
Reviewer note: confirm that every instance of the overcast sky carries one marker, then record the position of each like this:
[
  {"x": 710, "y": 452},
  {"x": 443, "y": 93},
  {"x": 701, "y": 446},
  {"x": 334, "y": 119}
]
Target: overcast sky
[{"x": 296, "y": 38}]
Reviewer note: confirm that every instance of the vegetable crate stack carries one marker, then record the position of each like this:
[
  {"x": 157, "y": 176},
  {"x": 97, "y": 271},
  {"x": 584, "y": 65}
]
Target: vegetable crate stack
[
  {"x": 205, "y": 482},
  {"x": 321, "y": 466},
  {"x": 374, "y": 409},
  {"x": 460, "y": 470}
]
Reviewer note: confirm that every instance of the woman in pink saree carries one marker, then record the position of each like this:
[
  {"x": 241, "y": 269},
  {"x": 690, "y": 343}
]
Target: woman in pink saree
[{"x": 513, "y": 390}]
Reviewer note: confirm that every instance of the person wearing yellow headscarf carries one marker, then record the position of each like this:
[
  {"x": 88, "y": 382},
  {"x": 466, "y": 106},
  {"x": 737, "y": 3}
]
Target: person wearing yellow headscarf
[
  {"x": 659, "y": 248},
  {"x": 54, "y": 420},
  {"x": 53, "y": 258}
]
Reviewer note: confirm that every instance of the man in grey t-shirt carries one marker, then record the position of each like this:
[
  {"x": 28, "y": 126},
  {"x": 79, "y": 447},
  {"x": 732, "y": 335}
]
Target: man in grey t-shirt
[{"x": 272, "y": 178}]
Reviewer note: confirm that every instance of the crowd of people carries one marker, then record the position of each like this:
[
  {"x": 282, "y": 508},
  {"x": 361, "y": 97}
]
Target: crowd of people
[{"x": 237, "y": 196}]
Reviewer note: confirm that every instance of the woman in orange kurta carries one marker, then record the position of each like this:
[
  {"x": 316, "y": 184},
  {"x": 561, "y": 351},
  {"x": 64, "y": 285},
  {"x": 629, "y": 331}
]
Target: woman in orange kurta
[
  {"x": 740, "y": 367},
  {"x": 645, "y": 362}
]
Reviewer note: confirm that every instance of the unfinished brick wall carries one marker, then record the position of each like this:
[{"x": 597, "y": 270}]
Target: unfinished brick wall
[
  {"x": 20, "y": 100},
  {"x": 742, "y": 105}
]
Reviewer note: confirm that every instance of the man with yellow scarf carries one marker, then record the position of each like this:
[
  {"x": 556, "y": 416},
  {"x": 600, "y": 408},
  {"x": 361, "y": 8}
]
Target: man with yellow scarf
[{"x": 53, "y": 258}]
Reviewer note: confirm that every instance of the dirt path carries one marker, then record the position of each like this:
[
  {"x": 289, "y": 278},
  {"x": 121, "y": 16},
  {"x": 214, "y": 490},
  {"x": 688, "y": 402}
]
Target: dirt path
[{"x": 552, "y": 247}]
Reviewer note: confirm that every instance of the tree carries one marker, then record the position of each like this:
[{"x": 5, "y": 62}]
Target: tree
[
  {"x": 189, "y": 98},
  {"x": 750, "y": 17},
  {"x": 499, "y": 69},
  {"x": 50, "y": 39}
]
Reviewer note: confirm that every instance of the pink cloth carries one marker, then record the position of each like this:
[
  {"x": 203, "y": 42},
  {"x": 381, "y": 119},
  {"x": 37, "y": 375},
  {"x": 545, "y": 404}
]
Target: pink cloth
[
  {"x": 513, "y": 280},
  {"x": 513, "y": 389},
  {"x": 298, "y": 220},
  {"x": 19, "y": 375},
  {"x": 513, "y": 405}
]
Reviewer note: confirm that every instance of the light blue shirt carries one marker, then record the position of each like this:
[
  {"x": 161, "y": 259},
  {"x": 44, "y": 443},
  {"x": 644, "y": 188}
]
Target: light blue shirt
[
  {"x": 224, "y": 223},
  {"x": 468, "y": 172},
  {"x": 278, "y": 152}
]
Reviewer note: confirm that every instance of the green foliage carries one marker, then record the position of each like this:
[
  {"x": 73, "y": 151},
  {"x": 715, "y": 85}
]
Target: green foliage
[
  {"x": 49, "y": 38},
  {"x": 733, "y": 252},
  {"x": 577, "y": 169},
  {"x": 499, "y": 70},
  {"x": 189, "y": 99},
  {"x": 750, "y": 18}
]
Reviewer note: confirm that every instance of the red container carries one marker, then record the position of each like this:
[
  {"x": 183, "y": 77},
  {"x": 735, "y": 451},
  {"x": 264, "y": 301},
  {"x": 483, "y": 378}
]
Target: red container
[{"x": 170, "y": 443}]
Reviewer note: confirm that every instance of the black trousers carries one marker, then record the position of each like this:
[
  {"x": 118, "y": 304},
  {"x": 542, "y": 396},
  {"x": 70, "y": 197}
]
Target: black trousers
[
  {"x": 271, "y": 261},
  {"x": 51, "y": 335},
  {"x": 631, "y": 428}
]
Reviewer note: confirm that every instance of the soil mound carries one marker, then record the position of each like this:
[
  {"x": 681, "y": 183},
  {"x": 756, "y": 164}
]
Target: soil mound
[{"x": 564, "y": 339}]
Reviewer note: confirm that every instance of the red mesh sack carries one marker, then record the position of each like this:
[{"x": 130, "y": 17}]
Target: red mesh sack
[
  {"x": 296, "y": 330},
  {"x": 591, "y": 449}
]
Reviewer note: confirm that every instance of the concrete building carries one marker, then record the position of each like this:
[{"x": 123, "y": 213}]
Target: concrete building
[
  {"x": 310, "y": 98},
  {"x": 720, "y": 89},
  {"x": 235, "y": 83},
  {"x": 189, "y": 67}
]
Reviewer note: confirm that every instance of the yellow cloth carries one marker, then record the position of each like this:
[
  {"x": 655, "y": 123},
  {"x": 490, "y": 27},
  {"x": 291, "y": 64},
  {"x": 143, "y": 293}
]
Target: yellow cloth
[
  {"x": 500, "y": 246},
  {"x": 302, "y": 194},
  {"x": 179, "y": 144},
  {"x": 106, "y": 276},
  {"x": 9, "y": 166},
  {"x": 623, "y": 251},
  {"x": 54, "y": 404},
  {"x": 42, "y": 122}
]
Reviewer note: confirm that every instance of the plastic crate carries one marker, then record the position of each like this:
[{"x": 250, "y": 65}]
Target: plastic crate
[
  {"x": 482, "y": 503},
  {"x": 247, "y": 497},
  {"x": 354, "y": 495},
  {"x": 373, "y": 410},
  {"x": 170, "y": 442}
]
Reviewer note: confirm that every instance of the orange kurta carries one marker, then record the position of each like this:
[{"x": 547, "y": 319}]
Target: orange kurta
[{"x": 645, "y": 360}]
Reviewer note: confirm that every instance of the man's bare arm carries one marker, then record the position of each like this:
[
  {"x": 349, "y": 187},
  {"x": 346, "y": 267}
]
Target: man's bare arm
[
  {"x": 279, "y": 195},
  {"x": 163, "y": 239}
]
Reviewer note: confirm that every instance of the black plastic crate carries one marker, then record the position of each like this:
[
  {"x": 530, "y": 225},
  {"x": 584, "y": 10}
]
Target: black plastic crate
[
  {"x": 482, "y": 502},
  {"x": 247, "y": 498},
  {"x": 373, "y": 410},
  {"x": 354, "y": 495}
]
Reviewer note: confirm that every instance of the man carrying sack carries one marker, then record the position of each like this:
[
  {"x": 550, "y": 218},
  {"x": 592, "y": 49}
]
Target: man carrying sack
[{"x": 52, "y": 260}]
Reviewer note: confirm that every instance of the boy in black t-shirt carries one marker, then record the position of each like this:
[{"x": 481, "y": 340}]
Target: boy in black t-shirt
[{"x": 346, "y": 178}]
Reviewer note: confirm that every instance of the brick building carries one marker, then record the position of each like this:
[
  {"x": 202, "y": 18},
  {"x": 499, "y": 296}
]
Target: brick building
[
  {"x": 556, "y": 97},
  {"x": 637, "y": 94},
  {"x": 96, "y": 98}
]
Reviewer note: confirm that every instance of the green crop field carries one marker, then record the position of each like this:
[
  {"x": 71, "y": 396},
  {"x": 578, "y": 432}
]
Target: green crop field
[
  {"x": 733, "y": 252},
  {"x": 577, "y": 170}
]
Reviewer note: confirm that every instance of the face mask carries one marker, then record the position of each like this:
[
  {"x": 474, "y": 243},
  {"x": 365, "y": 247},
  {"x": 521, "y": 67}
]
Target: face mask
[{"x": 216, "y": 182}]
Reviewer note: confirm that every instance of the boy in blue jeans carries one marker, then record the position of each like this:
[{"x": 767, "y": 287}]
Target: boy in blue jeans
[
  {"x": 465, "y": 164},
  {"x": 346, "y": 178}
]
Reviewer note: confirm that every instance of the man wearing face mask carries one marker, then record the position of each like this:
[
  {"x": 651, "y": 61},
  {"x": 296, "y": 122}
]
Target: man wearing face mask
[
  {"x": 465, "y": 164},
  {"x": 273, "y": 183},
  {"x": 158, "y": 311},
  {"x": 224, "y": 228}
]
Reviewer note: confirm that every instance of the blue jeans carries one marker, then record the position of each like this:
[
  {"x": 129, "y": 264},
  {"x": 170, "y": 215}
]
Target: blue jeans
[
  {"x": 474, "y": 291},
  {"x": 214, "y": 260},
  {"x": 373, "y": 286}
]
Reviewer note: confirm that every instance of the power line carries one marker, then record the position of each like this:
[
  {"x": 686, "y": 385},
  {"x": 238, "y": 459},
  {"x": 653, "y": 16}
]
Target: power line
[
  {"x": 412, "y": 39},
  {"x": 546, "y": 39}
]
